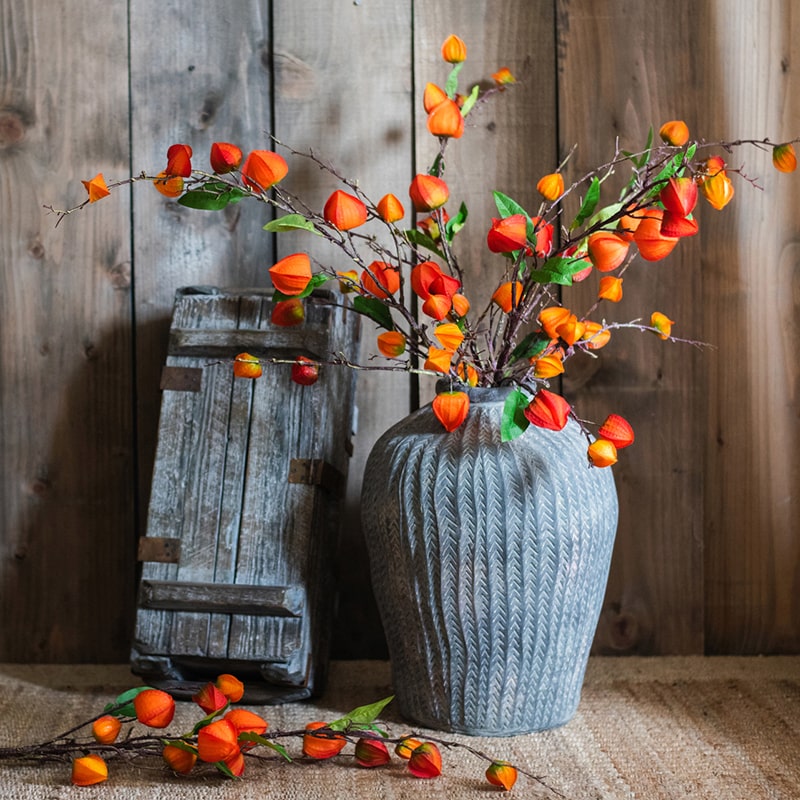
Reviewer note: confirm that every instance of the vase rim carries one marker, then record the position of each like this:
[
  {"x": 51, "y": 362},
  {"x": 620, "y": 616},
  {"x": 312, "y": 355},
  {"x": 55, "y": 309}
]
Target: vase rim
[{"x": 476, "y": 394}]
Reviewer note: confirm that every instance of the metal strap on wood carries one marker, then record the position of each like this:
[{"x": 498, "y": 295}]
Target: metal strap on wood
[
  {"x": 159, "y": 549},
  {"x": 316, "y": 472},
  {"x": 181, "y": 379}
]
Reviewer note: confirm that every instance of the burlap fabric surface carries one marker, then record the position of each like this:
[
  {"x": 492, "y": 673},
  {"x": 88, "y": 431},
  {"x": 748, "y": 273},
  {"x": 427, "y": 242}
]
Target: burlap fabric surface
[{"x": 721, "y": 728}]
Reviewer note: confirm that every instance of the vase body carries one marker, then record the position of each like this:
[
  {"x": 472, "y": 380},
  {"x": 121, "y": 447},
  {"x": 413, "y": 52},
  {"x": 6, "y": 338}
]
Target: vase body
[{"x": 489, "y": 562}]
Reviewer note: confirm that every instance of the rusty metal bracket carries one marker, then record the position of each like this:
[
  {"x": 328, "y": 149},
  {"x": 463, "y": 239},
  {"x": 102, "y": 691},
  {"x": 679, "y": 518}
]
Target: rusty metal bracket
[
  {"x": 181, "y": 379},
  {"x": 316, "y": 472},
  {"x": 160, "y": 549}
]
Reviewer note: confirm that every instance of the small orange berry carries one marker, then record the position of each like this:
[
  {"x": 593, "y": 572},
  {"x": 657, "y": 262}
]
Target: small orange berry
[{"x": 106, "y": 729}]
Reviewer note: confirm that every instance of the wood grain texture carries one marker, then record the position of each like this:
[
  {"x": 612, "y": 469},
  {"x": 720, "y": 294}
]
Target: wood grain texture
[{"x": 66, "y": 438}]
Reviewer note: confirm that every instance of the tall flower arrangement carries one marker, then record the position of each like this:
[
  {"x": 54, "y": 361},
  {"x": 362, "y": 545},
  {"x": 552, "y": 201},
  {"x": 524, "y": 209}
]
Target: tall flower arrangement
[{"x": 410, "y": 284}]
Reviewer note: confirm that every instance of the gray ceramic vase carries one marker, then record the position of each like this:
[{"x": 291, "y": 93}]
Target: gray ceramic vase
[{"x": 489, "y": 562}]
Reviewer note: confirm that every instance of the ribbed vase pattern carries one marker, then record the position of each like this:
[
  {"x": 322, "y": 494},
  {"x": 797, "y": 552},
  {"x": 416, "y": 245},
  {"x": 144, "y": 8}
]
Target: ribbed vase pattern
[{"x": 489, "y": 562}]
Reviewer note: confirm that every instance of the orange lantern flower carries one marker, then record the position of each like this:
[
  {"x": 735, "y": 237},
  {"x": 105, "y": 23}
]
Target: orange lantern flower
[
  {"x": 595, "y": 335},
  {"x": 405, "y": 747},
  {"x": 607, "y": 250},
  {"x": 247, "y": 366},
  {"x": 380, "y": 279},
  {"x": 679, "y": 196},
  {"x": 168, "y": 185},
  {"x": 291, "y": 274},
  {"x": 390, "y": 208},
  {"x": 602, "y": 453},
  {"x": 548, "y": 366},
  {"x": 154, "y": 708},
  {"x": 437, "y": 306},
  {"x": 450, "y": 335},
  {"x": 392, "y": 344},
  {"x": 344, "y": 211},
  {"x": 428, "y": 192},
  {"x": 432, "y": 96},
  {"x": 178, "y": 759},
  {"x": 508, "y": 295},
  {"x": 467, "y": 374},
  {"x": 547, "y": 410},
  {"x": 89, "y": 770},
  {"x": 210, "y": 698},
  {"x": 286, "y": 313},
  {"x": 674, "y": 132},
  {"x": 263, "y": 169},
  {"x": 446, "y": 120},
  {"x": 371, "y": 753},
  {"x": 717, "y": 190},
  {"x": 617, "y": 430},
  {"x": 571, "y": 329},
  {"x": 217, "y": 741},
  {"x": 653, "y": 245},
  {"x": 551, "y": 318},
  {"x": 454, "y": 51},
  {"x": 508, "y": 234},
  {"x": 225, "y": 157},
  {"x": 245, "y": 721},
  {"x": 438, "y": 360},
  {"x": 235, "y": 763},
  {"x": 662, "y": 323},
  {"x": 551, "y": 186},
  {"x": 610, "y": 289},
  {"x": 106, "y": 729},
  {"x": 179, "y": 160},
  {"x": 460, "y": 305},
  {"x": 97, "y": 189},
  {"x": 784, "y": 158},
  {"x": 348, "y": 281},
  {"x": 677, "y": 227},
  {"x": 503, "y": 77},
  {"x": 305, "y": 371},
  {"x": 425, "y": 761},
  {"x": 321, "y": 746},
  {"x": 231, "y": 687},
  {"x": 501, "y": 773},
  {"x": 544, "y": 237}
]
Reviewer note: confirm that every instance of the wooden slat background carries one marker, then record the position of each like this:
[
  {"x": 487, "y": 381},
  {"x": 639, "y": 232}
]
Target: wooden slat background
[{"x": 708, "y": 557}]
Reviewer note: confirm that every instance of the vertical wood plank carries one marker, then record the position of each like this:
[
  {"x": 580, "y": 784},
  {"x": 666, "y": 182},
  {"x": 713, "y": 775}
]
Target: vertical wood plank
[
  {"x": 343, "y": 88},
  {"x": 65, "y": 369},
  {"x": 751, "y": 269},
  {"x": 614, "y": 80}
]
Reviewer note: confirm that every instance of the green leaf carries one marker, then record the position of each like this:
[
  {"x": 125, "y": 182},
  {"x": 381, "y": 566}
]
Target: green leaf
[
  {"x": 205, "y": 199},
  {"x": 361, "y": 717},
  {"x": 209, "y": 718},
  {"x": 470, "y": 101},
  {"x": 257, "y": 739},
  {"x": 530, "y": 347},
  {"x": 558, "y": 269},
  {"x": 315, "y": 282},
  {"x": 508, "y": 207},
  {"x": 181, "y": 744},
  {"x": 451, "y": 86},
  {"x": 225, "y": 769},
  {"x": 421, "y": 239},
  {"x": 589, "y": 204},
  {"x": 374, "y": 309},
  {"x": 291, "y": 222},
  {"x": 514, "y": 422},
  {"x": 123, "y": 705},
  {"x": 456, "y": 223}
]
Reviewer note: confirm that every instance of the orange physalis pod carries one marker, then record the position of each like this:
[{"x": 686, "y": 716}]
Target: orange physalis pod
[
  {"x": 89, "y": 770},
  {"x": 179, "y": 760},
  {"x": 428, "y": 192},
  {"x": 677, "y": 227},
  {"x": 392, "y": 344},
  {"x": 235, "y": 763},
  {"x": 501, "y": 773},
  {"x": 291, "y": 274},
  {"x": 662, "y": 323},
  {"x": 551, "y": 186},
  {"x": 717, "y": 190},
  {"x": 438, "y": 360},
  {"x": 405, "y": 747},
  {"x": 617, "y": 430},
  {"x": 508, "y": 234},
  {"x": 168, "y": 185},
  {"x": 245, "y": 721},
  {"x": 344, "y": 211},
  {"x": 321, "y": 746},
  {"x": 371, "y": 753},
  {"x": 231, "y": 687},
  {"x": 305, "y": 371},
  {"x": 446, "y": 120},
  {"x": 263, "y": 169},
  {"x": 653, "y": 245},
  {"x": 286, "y": 313},
  {"x": 595, "y": 335},
  {"x": 96, "y": 188},
  {"x": 551, "y": 318},
  {"x": 390, "y": 208},
  {"x": 449, "y": 335},
  {"x": 454, "y": 51},
  {"x": 154, "y": 708},
  {"x": 217, "y": 741},
  {"x": 547, "y": 366},
  {"x": 602, "y": 453},
  {"x": 106, "y": 729},
  {"x": 348, "y": 281},
  {"x": 547, "y": 410},
  {"x": 679, "y": 196},
  {"x": 784, "y": 158},
  {"x": 674, "y": 132},
  {"x": 460, "y": 305},
  {"x": 210, "y": 698},
  {"x": 437, "y": 306},
  {"x": 571, "y": 329},
  {"x": 610, "y": 289},
  {"x": 607, "y": 250},
  {"x": 432, "y": 96},
  {"x": 627, "y": 224},
  {"x": 507, "y": 296},
  {"x": 225, "y": 157},
  {"x": 380, "y": 279},
  {"x": 425, "y": 761},
  {"x": 503, "y": 77},
  {"x": 467, "y": 374},
  {"x": 179, "y": 160}
]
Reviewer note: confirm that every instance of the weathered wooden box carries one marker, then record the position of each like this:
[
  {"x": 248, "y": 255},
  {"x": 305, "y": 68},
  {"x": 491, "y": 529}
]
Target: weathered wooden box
[{"x": 246, "y": 493}]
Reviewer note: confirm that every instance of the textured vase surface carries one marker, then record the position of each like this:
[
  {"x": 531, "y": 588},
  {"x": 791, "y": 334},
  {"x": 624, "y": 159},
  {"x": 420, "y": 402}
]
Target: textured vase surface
[{"x": 489, "y": 562}]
